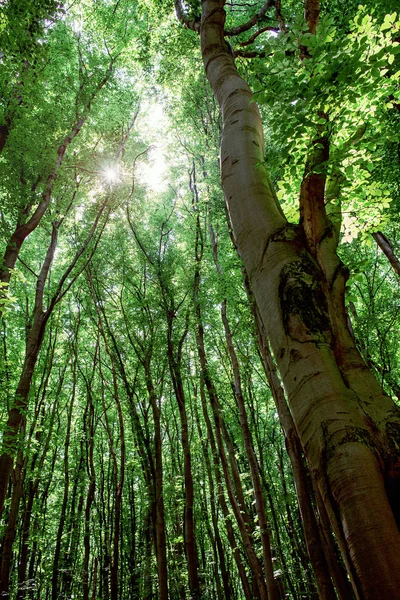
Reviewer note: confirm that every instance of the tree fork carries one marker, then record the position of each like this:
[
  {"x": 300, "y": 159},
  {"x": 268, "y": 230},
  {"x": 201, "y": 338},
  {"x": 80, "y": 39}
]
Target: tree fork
[{"x": 344, "y": 444}]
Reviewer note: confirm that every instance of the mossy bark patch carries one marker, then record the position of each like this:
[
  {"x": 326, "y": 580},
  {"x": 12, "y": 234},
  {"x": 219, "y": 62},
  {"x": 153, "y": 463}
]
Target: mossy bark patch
[{"x": 303, "y": 303}]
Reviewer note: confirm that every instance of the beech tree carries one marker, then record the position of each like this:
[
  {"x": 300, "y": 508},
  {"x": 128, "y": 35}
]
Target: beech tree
[
  {"x": 346, "y": 423},
  {"x": 199, "y": 353}
]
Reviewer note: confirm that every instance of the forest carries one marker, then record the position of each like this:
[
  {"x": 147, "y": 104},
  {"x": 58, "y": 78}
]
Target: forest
[{"x": 199, "y": 300}]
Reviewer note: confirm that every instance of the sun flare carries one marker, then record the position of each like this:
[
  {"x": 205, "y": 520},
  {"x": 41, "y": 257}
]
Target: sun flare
[{"x": 111, "y": 174}]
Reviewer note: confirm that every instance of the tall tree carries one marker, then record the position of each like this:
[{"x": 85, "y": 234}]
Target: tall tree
[{"x": 347, "y": 425}]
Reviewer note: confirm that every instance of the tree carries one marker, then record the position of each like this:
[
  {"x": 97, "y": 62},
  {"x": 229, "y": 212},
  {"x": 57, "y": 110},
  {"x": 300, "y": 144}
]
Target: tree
[
  {"x": 189, "y": 402},
  {"x": 347, "y": 424}
]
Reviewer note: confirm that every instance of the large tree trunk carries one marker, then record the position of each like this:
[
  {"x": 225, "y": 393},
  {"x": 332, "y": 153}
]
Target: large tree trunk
[
  {"x": 347, "y": 426},
  {"x": 294, "y": 450}
]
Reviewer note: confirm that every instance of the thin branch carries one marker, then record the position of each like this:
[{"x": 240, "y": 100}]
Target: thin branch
[
  {"x": 255, "y": 18},
  {"x": 257, "y": 33},
  {"x": 279, "y": 16},
  {"x": 130, "y": 127},
  {"x": 61, "y": 291},
  {"x": 26, "y": 267},
  {"x": 138, "y": 241},
  {"x": 245, "y": 54}
]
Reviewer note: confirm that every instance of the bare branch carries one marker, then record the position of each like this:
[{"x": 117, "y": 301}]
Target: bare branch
[
  {"x": 257, "y": 17},
  {"x": 387, "y": 248},
  {"x": 246, "y": 54},
  {"x": 27, "y": 267},
  {"x": 256, "y": 34},
  {"x": 128, "y": 131}
]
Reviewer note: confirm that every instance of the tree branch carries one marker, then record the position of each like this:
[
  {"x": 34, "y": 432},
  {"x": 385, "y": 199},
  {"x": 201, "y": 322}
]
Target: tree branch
[
  {"x": 386, "y": 247},
  {"x": 193, "y": 24},
  {"x": 257, "y": 33},
  {"x": 255, "y": 18},
  {"x": 246, "y": 54},
  {"x": 311, "y": 14}
]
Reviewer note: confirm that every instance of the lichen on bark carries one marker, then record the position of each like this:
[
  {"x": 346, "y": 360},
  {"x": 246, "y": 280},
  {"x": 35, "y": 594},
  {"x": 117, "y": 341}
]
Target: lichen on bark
[{"x": 303, "y": 303}]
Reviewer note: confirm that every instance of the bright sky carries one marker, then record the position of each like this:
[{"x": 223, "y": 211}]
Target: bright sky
[
  {"x": 151, "y": 166},
  {"x": 151, "y": 169}
]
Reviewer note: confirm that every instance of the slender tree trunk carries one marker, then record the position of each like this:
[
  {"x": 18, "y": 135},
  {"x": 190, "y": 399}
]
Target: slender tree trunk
[
  {"x": 118, "y": 471},
  {"x": 174, "y": 361},
  {"x": 248, "y": 444},
  {"x": 33, "y": 345},
  {"x": 177, "y": 581},
  {"x": 94, "y": 584},
  {"x": 25, "y": 226},
  {"x": 33, "y": 486},
  {"x": 63, "y": 512},
  {"x": 215, "y": 538},
  {"x": 104, "y": 527},
  {"x": 134, "y": 580},
  {"x": 307, "y": 586},
  {"x": 36, "y": 552},
  {"x": 160, "y": 526},
  {"x": 35, "y": 335},
  {"x": 89, "y": 429},
  {"x": 221, "y": 499},
  {"x": 254, "y": 563},
  {"x": 337, "y": 571},
  {"x": 147, "y": 587},
  {"x": 73, "y": 529},
  {"x": 18, "y": 479},
  {"x": 9, "y": 536}
]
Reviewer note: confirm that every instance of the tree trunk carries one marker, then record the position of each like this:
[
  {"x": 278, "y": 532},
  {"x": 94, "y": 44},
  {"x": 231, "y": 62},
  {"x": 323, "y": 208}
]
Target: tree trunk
[
  {"x": 221, "y": 499},
  {"x": 347, "y": 426},
  {"x": 161, "y": 544},
  {"x": 293, "y": 447},
  {"x": 33, "y": 486},
  {"x": 89, "y": 430},
  {"x": 248, "y": 443},
  {"x": 25, "y": 226},
  {"x": 33, "y": 344},
  {"x": 174, "y": 362},
  {"x": 35, "y": 335},
  {"x": 118, "y": 471},
  {"x": 215, "y": 538},
  {"x": 9, "y": 535},
  {"x": 248, "y": 545},
  {"x": 63, "y": 512},
  {"x": 386, "y": 247}
]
